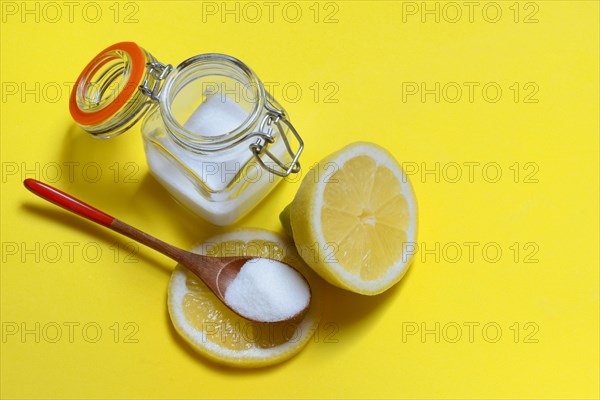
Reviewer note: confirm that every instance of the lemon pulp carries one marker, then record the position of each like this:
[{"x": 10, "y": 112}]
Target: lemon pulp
[
  {"x": 366, "y": 215},
  {"x": 216, "y": 331},
  {"x": 354, "y": 219}
]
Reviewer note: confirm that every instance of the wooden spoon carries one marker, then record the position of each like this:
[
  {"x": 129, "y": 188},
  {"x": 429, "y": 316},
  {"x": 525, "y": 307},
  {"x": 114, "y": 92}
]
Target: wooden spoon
[{"x": 216, "y": 272}]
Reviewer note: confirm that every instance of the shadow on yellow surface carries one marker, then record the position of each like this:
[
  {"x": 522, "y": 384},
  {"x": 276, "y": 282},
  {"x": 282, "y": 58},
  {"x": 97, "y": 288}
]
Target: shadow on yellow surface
[{"x": 347, "y": 308}]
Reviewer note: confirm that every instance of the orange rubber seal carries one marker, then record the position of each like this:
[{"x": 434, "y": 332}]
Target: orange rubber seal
[{"x": 138, "y": 67}]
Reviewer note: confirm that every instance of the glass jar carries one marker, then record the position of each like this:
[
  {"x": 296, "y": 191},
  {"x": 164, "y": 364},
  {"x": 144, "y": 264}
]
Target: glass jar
[{"x": 213, "y": 136}]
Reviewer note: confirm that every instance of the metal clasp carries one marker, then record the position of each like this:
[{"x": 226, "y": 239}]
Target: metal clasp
[
  {"x": 153, "y": 79},
  {"x": 276, "y": 118}
]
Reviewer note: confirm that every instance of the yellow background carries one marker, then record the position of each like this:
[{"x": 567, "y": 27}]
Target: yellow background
[{"x": 367, "y": 54}]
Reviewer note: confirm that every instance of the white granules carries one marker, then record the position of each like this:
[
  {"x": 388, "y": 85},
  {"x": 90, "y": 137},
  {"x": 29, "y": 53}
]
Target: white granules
[
  {"x": 228, "y": 199},
  {"x": 267, "y": 290},
  {"x": 217, "y": 115}
]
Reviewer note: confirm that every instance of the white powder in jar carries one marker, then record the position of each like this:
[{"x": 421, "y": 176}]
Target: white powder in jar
[
  {"x": 267, "y": 290},
  {"x": 218, "y": 114}
]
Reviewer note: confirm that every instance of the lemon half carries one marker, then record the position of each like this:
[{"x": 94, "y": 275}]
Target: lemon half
[
  {"x": 354, "y": 219},
  {"x": 223, "y": 336}
]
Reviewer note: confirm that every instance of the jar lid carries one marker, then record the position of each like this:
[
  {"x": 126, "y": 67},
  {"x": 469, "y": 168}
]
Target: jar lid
[{"x": 115, "y": 89}]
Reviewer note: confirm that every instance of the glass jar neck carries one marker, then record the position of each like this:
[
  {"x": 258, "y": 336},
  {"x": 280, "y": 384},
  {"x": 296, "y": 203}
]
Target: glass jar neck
[{"x": 210, "y": 81}]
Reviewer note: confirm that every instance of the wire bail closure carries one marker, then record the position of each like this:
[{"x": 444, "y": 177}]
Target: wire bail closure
[
  {"x": 152, "y": 84},
  {"x": 265, "y": 138}
]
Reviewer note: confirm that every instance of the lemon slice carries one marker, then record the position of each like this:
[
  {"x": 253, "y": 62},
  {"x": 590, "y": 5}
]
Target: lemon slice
[
  {"x": 219, "y": 334},
  {"x": 354, "y": 219}
]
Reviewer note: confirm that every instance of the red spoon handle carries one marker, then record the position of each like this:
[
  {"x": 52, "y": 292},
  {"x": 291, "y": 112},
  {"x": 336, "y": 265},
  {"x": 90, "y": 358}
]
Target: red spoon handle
[
  {"x": 82, "y": 209},
  {"x": 70, "y": 203}
]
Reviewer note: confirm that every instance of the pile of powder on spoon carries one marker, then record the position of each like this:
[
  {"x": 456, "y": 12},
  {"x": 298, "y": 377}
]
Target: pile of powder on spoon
[{"x": 267, "y": 290}]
